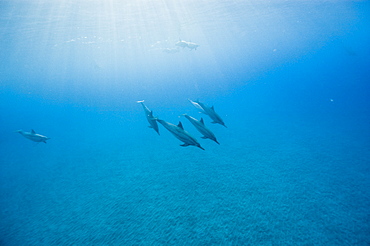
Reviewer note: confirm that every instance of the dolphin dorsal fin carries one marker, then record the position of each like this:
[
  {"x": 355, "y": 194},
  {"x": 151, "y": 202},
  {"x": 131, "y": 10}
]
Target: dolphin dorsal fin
[
  {"x": 202, "y": 121},
  {"x": 180, "y": 125},
  {"x": 213, "y": 108},
  {"x": 151, "y": 114},
  {"x": 33, "y": 131}
]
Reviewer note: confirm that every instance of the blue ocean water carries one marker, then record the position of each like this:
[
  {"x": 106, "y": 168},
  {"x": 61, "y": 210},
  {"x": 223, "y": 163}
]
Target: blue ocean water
[{"x": 289, "y": 78}]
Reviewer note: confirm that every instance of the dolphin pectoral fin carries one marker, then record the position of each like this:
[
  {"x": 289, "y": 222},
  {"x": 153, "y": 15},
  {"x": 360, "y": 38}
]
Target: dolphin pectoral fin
[
  {"x": 204, "y": 137},
  {"x": 184, "y": 145},
  {"x": 150, "y": 126},
  {"x": 213, "y": 122}
]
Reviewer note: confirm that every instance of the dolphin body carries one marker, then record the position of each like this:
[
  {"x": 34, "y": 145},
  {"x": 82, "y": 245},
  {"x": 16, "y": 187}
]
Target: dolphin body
[
  {"x": 149, "y": 116},
  {"x": 184, "y": 44},
  {"x": 199, "y": 124},
  {"x": 210, "y": 111},
  {"x": 33, "y": 136},
  {"x": 179, "y": 132}
]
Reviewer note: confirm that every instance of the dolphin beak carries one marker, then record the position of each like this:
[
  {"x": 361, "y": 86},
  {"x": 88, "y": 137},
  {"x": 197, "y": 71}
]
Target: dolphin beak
[{"x": 201, "y": 147}]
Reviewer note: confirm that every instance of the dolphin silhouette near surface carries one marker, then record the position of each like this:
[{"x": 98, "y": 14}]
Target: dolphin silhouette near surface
[
  {"x": 210, "y": 111},
  {"x": 185, "y": 44},
  {"x": 179, "y": 132},
  {"x": 33, "y": 136},
  {"x": 199, "y": 124},
  {"x": 149, "y": 116}
]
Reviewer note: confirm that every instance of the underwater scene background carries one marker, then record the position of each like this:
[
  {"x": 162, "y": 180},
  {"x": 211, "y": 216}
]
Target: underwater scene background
[{"x": 290, "y": 79}]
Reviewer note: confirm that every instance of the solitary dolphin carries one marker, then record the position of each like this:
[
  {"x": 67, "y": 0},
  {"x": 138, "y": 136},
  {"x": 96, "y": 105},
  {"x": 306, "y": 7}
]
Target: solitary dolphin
[
  {"x": 179, "y": 132},
  {"x": 190, "y": 45},
  {"x": 33, "y": 136},
  {"x": 199, "y": 124},
  {"x": 210, "y": 111},
  {"x": 149, "y": 116}
]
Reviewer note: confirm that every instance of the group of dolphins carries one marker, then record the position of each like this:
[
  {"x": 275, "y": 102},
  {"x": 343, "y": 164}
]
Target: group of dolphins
[{"x": 178, "y": 130}]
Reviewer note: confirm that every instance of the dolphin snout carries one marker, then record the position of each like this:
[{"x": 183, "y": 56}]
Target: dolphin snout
[{"x": 200, "y": 147}]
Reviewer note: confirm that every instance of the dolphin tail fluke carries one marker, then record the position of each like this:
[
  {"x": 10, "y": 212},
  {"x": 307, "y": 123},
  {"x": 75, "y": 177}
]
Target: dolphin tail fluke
[{"x": 184, "y": 145}]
